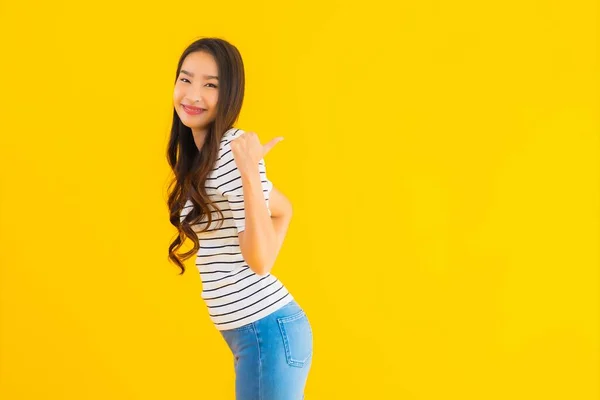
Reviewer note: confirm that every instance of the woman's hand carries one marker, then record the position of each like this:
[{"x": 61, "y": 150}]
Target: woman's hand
[{"x": 248, "y": 151}]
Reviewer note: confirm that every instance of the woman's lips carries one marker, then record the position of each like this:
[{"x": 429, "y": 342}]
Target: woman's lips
[{"x": 192, "y": 110}]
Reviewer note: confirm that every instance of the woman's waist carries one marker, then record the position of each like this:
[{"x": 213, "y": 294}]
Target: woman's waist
[{"x": 244, "y": 285}]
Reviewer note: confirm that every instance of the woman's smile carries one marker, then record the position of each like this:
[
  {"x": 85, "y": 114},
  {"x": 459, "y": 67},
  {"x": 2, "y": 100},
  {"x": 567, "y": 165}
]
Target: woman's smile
[{"x": 193, "y": 110}]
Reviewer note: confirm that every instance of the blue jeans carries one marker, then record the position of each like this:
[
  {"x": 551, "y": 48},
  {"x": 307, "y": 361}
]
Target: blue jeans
[{"x": 272, "y": 356}]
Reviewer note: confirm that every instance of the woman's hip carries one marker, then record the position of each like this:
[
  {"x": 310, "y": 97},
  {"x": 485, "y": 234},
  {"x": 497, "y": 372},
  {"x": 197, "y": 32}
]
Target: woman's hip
[{"x": 283, "y": 337}]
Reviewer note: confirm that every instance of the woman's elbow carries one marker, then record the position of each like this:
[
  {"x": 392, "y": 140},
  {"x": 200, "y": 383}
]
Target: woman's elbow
[
  {"x": 259, "y": 257},
  {"x": 260, "y": 268}
]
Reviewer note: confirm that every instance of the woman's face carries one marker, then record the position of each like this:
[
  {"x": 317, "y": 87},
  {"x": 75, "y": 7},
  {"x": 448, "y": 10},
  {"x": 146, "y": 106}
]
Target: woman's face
[{"x": 197, "y": 86}]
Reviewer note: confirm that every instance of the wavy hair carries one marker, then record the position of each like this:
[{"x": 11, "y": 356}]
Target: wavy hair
[{"x": 189, "y": 165}]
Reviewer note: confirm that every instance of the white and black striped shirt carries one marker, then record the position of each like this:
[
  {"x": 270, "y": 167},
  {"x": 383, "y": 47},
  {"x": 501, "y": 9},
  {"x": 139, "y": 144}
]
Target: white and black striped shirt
[{"x": 235, "y": 295}]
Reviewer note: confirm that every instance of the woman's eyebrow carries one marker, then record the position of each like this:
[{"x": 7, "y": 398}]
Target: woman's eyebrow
[{"x": 183, "y": 71}]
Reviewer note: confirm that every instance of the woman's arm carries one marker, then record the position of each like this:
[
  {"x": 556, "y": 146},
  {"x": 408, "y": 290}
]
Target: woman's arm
[
  {"x": 259, "y": 241},
  {"x": 259, "y": 237},
  {"x": 281, "y": 225},
  {"x": 279, "y": 204},
  {"x": 281, "y": 215}
]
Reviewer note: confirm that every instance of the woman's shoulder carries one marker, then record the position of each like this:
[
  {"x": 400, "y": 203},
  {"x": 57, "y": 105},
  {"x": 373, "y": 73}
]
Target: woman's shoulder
[
  {"x": 228, "y": 136},
  {"x": 225, "y": 155}
]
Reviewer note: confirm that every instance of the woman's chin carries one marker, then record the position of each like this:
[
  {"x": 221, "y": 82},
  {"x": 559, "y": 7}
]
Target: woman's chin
[{"x": 194, "y": 121}]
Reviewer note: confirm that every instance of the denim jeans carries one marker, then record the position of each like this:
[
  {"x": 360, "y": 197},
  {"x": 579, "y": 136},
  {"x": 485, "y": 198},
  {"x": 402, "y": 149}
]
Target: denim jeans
[{"x": 272, "y": 356}]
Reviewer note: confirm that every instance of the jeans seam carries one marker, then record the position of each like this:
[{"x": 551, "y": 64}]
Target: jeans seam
[
  {"x": 259, "y": 361},
  {"x": 292, "y": 317}
]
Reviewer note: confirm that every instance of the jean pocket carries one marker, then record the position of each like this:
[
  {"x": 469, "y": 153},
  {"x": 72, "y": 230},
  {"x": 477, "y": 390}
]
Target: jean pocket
[{"x": 297, "y": 338}]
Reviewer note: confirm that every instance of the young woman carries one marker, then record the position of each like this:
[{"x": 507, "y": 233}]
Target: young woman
[{"x": 222, "y": 200}]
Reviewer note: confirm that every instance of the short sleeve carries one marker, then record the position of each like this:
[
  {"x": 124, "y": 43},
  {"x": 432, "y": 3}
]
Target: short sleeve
[{"x": 229, "y": 184}]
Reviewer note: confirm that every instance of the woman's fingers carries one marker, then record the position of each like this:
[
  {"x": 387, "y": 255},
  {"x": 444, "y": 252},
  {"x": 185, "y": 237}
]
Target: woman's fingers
[
  {"x": 248, "y": 149},
  {"x": 269, "y": 145}
]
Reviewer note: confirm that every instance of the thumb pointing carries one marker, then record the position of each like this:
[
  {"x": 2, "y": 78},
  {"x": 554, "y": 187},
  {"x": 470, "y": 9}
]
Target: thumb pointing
[{"x": 267, "y": 147}]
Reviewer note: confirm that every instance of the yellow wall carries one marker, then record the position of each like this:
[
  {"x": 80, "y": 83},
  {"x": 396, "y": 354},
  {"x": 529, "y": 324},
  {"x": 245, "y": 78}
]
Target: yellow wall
[{"x": 443, "y": 163}]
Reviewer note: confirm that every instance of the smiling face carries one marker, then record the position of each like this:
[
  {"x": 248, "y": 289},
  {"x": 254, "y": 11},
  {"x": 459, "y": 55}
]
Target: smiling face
[{"x": 197, "y": 87}]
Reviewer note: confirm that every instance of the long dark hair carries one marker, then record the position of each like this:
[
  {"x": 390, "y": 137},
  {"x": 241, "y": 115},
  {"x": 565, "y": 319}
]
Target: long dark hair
[{"x": 190, "y": 166}]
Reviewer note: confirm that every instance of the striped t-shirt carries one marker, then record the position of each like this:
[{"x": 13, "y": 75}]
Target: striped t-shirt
[{"x": 235, "y": 295}]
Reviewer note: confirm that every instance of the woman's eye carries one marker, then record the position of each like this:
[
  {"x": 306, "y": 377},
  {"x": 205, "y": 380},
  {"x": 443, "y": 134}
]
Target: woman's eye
[{"x": 184, "y": 79}]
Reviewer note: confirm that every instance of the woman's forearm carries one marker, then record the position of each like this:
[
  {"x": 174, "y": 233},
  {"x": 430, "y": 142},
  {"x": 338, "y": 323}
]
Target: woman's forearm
[
  {"x": 261, "y": 239},
  {"x": 281, "y": 224}
]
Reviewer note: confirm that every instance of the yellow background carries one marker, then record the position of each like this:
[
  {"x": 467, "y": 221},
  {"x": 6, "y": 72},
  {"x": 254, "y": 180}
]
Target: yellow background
[{"x": 442, "y": 159}]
